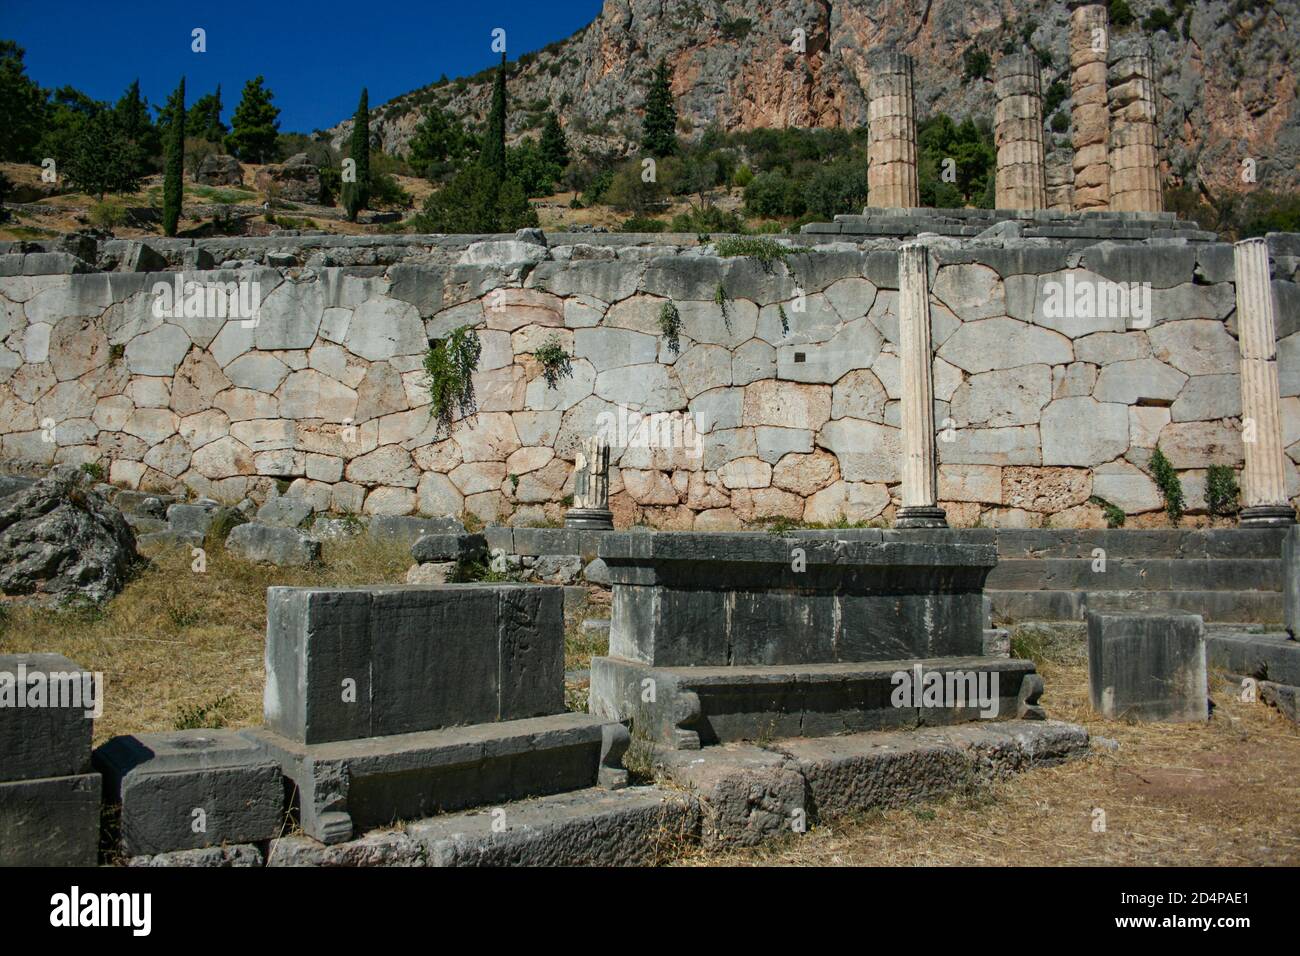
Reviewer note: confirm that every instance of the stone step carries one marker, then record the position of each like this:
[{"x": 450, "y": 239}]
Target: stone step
[
  {"x": 737, "y": 794},
  {"x": 1219, "y": 606},
  {"x": 1259, "y": 543},
  {"x": 1133, "y": 574},
  {"x": 694, "y": 707}
]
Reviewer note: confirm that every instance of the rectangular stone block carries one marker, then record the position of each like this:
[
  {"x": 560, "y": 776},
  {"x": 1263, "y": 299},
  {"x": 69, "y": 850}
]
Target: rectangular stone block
[
  {"x": 52, "y": 821},
  {"x": 348, "y": 663},
  {"x": 1291, "y": 581},
  {"x": 1150, "y": 667},
  {"x": 44, "y": 727},
  {"x": 190, "y": 789},
  {"x": 685, "y": 599}
]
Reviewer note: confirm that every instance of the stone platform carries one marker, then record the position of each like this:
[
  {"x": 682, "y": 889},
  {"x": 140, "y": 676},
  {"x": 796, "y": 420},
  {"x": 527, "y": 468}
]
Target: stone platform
[
  {"x": 702, "y": 706},
  {"x": 353, "y": 785},
  {"x": 1086, "y": 227}
]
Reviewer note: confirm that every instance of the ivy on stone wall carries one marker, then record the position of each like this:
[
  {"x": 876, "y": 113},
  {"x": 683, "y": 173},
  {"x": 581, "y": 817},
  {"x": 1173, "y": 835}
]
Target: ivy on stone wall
[{"x": 556, "y": 363}]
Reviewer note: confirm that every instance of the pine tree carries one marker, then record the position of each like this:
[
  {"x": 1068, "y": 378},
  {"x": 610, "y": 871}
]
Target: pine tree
[
  {"x": 659, "y": 130},
  {"x": 204, "y": 120},
  {"x": 493, "y": 156},
  {"x": 102, "y": 159},
  {"x": 174, "y": 162},
  {"x": 132, "y": 114},
  {"x": 357, "y": 194},
  {"x": 555, "y": 148},
  {"x": 255, "y": 124},
  {"x": 22, "y": 104}
]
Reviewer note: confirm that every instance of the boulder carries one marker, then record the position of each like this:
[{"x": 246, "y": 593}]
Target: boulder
[
  {"x": 281, "y": 546},
  {"x": 296, "y": 180},
  {"x": 220, "y": 170},
  {"x": 60, "y": 539}
]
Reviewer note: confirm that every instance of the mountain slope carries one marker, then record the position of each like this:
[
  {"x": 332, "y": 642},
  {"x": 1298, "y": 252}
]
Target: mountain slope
[{"x": 1228, "y": 89}]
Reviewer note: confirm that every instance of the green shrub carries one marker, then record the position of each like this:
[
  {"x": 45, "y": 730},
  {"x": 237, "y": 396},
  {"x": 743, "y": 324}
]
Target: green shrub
[
  {"x": 975, "y": 64},
  {"x": 449, "y": 368},
  {"x": 107, "y": 214},
  {"x": 670, "y": 325},
  {"x": 707, "y": 219},
  {"x": 93, "y": 470},
  {"x": 1121, "y": 15},
  {"x": 642, "y": 224},
  {"x": 1221, "y": 490},
  {"x": 1115, "y": 516},
  {"x": 1060, "y": 122},
  {"x": 556, "y": 363},
  {"x": 1171, "y": 489}
]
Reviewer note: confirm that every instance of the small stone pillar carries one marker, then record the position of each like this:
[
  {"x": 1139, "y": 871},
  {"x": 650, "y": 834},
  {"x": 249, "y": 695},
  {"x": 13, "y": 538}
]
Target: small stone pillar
[
  {"x": 1134, "y": 157},
  {"x": 1263, "y": 489},
  {"x": 891, "y": 134},
  {"x": 1018, "y": 128},
  {"x": 591, "y": 487},
  {"x": 1090, "y": 116},
  {"x": 920, "y": 490}
]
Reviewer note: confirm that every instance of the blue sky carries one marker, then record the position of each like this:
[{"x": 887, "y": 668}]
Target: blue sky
[{"x": 316, "y": 57}]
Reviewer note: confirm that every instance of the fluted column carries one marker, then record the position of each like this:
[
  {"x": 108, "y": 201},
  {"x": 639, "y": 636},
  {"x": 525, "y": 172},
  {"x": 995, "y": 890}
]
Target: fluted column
[
  {"x": 891, "y": 134},
  {"x": 1264, "y": 497},
  {"x": 591, "y": 487},
  {"x": 1134, "y": 155},
  {"x": 920, "y": 481},
  {"x": 1090, "y": 117},
  {"x": 1018, "y": 128}
]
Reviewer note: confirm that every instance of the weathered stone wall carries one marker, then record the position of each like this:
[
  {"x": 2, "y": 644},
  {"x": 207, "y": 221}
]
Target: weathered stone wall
[{"x": 1035, "y": 413}]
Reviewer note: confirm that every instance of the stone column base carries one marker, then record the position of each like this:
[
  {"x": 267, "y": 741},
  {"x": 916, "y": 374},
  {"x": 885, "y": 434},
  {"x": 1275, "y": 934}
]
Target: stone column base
[
  {"x": 1266, "y": 516},
  {"x": 589, "y": 519},
  {"x": 921, "y": 517}
]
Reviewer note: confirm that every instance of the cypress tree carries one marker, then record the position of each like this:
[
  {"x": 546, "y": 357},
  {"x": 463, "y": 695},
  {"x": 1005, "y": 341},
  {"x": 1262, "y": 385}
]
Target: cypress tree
[
  {"x": 174, "y": 162},
  {"x": 555, "y": 148},
  {"x": 493, "y": 156},
  {"x": 659, "y": 130},
  {"x": 356, "y": 195}
]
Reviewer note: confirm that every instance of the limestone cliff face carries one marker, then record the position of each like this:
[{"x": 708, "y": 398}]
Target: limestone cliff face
[{"x": 1227, "y": 82}]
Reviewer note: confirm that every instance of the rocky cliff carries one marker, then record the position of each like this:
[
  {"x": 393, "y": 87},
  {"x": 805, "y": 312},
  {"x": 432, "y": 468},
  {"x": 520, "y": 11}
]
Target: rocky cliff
[{"x": 1227, "y": 73}]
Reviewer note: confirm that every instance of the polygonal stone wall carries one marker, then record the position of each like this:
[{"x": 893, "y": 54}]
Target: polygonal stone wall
[{"x": 794, "y": 387}]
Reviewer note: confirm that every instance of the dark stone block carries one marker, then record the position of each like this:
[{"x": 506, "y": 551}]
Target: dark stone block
[
  {"x": 52, "y": 821},
  {"x": 1147, "y": 666},
  {"x": 167, "y": 783},
  {"x": 51, "y": 739}
]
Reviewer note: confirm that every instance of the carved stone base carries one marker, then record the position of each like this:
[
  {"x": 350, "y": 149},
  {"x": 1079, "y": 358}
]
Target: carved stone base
[
  {"x": 925, "y": 517},
  {"x": 1266, "y": 516},
  {"x": 589, "y": 519}
]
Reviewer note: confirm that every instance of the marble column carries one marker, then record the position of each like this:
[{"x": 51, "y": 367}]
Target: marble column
[
  {"x": 891, "y": 133},
  {"x": 591, "y": 487},
  {"x": 920, "y": 491},
  {"x": 1018, "y": 132},
  {"x": 1263, "y": 486},
  {"x": 1090, "y": 115},
  {"x": 1134, "y": 157}
]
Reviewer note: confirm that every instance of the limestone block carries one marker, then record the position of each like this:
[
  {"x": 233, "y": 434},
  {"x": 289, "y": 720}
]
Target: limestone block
[{"x": 1148, "y": 667}]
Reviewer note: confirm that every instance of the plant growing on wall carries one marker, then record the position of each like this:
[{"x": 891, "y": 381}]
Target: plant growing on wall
[
  {"x": 720, "y": 299},
  {"x": 1171, "y": 489},
  {"x": 1115, "y": 516},
  {"x": 785, "y": 319},
  {"x": 556, "y": 363},
  {"x": 670, "y": 325},
  {"x": 449, "y": 367},
  {"x": 1221, "y": 490}
]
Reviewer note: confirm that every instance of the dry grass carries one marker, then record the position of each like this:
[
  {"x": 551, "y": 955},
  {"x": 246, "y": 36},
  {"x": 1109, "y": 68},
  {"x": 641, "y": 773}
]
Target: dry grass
[
  {"x": 1224, "y": 793},
  {"x": 177, "y": 644}
]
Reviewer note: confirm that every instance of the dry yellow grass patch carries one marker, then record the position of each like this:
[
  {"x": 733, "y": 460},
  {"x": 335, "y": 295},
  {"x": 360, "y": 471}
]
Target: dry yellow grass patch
[
  {"x": 177, "y": 641},
  {"x": 1224, "y": 793}
]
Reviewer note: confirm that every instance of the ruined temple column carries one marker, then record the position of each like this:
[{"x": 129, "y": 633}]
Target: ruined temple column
[
  {"x": 1263, "y": 486},
  {"x": 1018, "y": 128},
  {"x": 920, "y": 480},
  {"x": 1133, "y": 156},
  {"x": 1090, "y": 117},
  {"x": 891, "y": 135},
  {"x": 591, "y": 487}
]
